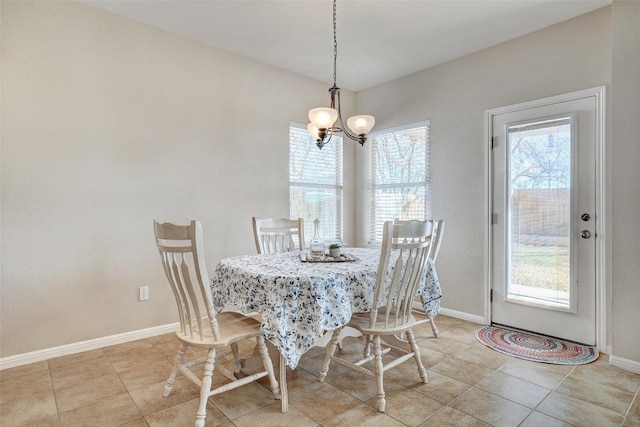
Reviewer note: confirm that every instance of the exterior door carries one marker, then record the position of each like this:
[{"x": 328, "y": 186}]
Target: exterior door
[{"x": 544, "y": 228}]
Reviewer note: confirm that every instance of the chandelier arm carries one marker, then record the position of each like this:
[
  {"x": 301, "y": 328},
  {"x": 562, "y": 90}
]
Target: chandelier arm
[
  {"x": 343, "y": 128},
  {"x": 324, "y": 141}
]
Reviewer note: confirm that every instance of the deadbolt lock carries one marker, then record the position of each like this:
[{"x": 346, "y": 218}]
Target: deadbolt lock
[{"x": 585, "y": 217}]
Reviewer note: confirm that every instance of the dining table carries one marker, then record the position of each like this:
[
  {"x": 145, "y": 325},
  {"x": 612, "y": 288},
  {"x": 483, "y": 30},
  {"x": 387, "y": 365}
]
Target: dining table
[{"x": 299, "y": 299}]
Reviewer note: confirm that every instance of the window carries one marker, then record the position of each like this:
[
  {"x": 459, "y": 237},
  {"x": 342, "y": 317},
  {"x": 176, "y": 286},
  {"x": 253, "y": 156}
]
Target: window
[
  {"x": 315, "y": 183},
  {"x": 399, "y": 180}
]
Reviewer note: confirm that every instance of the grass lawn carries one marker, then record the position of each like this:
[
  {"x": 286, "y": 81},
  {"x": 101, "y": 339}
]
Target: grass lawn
[{"x": 545, "y": 267}]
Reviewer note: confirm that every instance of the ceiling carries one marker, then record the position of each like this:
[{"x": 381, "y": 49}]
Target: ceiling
[{"x": 378, "y": 40}]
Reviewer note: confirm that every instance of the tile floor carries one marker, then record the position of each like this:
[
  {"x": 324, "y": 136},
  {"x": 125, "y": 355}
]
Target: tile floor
[{"x": 469, "y": 385}]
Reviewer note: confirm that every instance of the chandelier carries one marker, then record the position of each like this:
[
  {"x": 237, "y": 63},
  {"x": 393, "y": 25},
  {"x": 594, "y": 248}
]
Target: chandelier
[{"x": 323, "y": 120}]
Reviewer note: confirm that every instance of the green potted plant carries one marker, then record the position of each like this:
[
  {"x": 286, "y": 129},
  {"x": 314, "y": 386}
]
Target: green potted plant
[{"x": 334, "y": 250}]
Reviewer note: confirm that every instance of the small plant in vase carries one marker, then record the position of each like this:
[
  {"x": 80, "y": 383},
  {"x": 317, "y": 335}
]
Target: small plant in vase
[{"x": 334, "y": 250}]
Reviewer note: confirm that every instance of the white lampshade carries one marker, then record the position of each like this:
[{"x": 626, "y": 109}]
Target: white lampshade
[
  {"x": 313, "y": 130},
  {"x": 323, "y": 118},
  {"x": 361, "y": 125}
]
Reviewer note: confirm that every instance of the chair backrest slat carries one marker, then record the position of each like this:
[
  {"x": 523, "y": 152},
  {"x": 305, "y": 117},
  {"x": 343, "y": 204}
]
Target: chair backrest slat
[
  {"x": 438, "y": 231},
  {"x": 182, "y": 254},
  {"x": 185, "y": 306},
  {"x": 188, "y": 284},
  {"x": 399, "y": 278},
  {"x": 168, "y": 271},
  {"x": 275, "y": 235}
]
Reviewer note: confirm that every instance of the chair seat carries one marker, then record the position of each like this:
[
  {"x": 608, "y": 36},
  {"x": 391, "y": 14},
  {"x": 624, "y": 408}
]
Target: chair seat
[
  {"x": 236, "y": 327},
  {"x": 360, "y": 321}
]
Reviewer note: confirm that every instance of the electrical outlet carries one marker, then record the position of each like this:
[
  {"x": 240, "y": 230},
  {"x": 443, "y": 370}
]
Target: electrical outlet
[{"x": 144, "y": 293}]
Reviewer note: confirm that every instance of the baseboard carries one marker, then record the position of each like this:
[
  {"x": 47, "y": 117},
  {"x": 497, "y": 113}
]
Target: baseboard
[
  {"x": 464, "y": 316},
  {"x": 626, "y": 364},
  {"x": 457, "y": 314},
  {"x": 65, "y": 350}
]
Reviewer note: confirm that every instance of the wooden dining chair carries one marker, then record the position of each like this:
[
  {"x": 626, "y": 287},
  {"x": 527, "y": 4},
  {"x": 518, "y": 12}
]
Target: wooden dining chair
[
  {"x": 274, "y": 235},
  {"x": 181, "y": 251},
  {"x": 397, "y": 281}
]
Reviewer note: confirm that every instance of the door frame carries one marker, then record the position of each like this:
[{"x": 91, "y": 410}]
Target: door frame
[{"x": 602, "y": 224}]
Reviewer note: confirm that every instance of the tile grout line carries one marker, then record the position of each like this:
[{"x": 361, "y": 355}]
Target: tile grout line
[
  {"x": 554, "y": 389},
  {"x": 53, "y": 389},
  {"x": 144, "y": 419},
  {"x": 626, "y": 414}
]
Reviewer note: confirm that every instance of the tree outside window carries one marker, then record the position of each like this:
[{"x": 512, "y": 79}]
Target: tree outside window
[
  {"x": 315, "y": 183},
  {"x": 399, "y": 176}
]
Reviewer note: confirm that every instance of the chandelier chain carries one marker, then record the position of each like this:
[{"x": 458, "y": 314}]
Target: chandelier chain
[
  {"x": 324, "y": 121},
  {"x": 335, "y": 43}
]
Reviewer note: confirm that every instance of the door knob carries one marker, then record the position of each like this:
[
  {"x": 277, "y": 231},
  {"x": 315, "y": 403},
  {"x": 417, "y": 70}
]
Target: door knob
[{"x": 585, "y": 234}]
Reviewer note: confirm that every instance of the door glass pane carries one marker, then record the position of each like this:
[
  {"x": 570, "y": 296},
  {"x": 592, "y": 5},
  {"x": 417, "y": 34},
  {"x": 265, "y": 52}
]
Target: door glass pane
[{"x": 539, "y": 212}]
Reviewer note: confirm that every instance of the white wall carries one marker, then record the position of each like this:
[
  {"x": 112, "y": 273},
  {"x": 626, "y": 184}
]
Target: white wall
[
  {"x": 625, "y": 148},
  {"x": 108, "y": 124},
  {"x": 569, "y": 56}
]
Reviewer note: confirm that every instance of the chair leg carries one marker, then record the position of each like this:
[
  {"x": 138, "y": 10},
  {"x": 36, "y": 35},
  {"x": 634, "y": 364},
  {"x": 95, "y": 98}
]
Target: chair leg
[
  {"x": 366, "y": 352},
  {"x": 434, "y": 328},
  {"x": 237, "y": 363},
  {"x": 171, "y": 382},
  {"x": 416, "y": 354},
  {"x": 331, "y": 349},
  {"x": 205, "y": 388},
  {"x": 432, "y": 320},
  {"x": 381, "y": 402},
  {"x": 268, "y": 366}
]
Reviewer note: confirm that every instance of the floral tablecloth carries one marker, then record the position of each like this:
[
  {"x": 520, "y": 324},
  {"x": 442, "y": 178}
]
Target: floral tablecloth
[{"x": 299, "y": 300}]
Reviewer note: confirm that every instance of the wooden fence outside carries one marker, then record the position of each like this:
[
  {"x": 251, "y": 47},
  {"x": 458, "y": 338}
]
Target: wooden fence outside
[{"x": 541, "y": 216}]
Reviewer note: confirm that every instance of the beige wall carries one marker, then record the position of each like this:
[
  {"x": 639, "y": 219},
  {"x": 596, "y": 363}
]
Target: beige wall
[
  {"x": 625, "y": 183},
  {"x": 566, "y": 57},
  {"x": 108, "y": 124}
]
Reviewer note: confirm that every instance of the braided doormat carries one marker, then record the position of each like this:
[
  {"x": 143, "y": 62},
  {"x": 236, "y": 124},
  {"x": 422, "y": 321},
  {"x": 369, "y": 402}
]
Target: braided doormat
[{"x": 536, "y": 348}]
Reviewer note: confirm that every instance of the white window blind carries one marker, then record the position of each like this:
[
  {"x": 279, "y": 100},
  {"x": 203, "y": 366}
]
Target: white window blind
[
  {"x": 399, "y": 176},
  {"x": 315, "y": 183}
]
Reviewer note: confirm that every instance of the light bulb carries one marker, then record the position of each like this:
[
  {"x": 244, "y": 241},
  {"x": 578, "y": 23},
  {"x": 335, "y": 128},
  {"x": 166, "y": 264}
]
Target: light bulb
[
  {"x": 361, "y": 125},
  {"x": 323, "y": 118}
]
